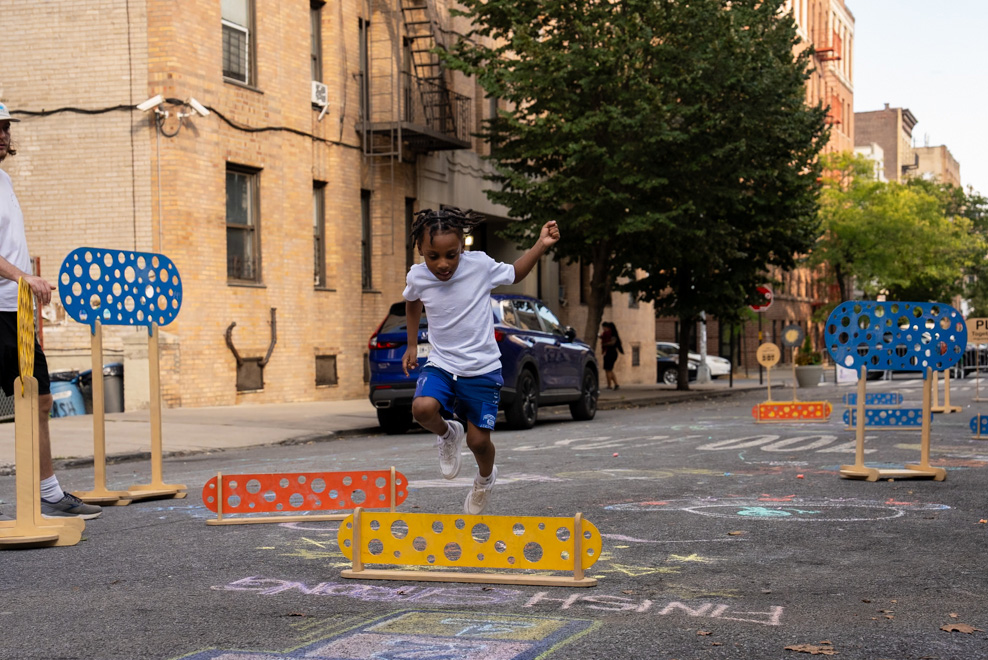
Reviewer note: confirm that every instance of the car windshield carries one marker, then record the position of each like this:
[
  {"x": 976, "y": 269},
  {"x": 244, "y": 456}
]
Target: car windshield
[{"x": 396, "y": 320}]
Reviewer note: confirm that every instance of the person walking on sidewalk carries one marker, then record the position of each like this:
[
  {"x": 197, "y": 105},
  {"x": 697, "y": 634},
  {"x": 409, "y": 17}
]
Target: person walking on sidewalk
[
  {"x": 463, "y": 373},
  {"x": 15, "y": 263},
  {"x": 610, "y": 340}
]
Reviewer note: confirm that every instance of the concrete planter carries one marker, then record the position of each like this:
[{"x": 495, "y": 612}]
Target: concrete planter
[{"x": 809, "y": 375}]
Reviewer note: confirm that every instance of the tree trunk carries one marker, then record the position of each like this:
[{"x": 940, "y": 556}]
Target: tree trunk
[
  {"x": 685, "y": 326},
  {"x": 600, "y": 292}
]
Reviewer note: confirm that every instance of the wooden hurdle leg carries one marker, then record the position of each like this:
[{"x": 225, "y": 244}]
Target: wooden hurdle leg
[
  {"x": 99, "y": 494},
  {"x": 30, "y": 529},
  {"x": 947, "y": 408},
  {"x": 157, "y": 488},
  {"x": 859, "y": 470},
  {"x": 923, "y": 468}
]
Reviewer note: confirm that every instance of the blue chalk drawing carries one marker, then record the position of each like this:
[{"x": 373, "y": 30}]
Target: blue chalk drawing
[
  {"x": 903, "y": 336},
  {"x": 120, "y": 287}
]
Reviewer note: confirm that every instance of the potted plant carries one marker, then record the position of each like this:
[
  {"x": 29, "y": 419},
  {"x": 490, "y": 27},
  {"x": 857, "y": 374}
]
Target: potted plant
[{"x": 809, "y": 365}]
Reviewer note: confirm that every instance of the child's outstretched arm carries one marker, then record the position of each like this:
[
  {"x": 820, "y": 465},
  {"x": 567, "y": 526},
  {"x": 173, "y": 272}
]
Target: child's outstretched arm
[
  {"x": 526, "y": 262},
  {"x": 413, "y": 314}
]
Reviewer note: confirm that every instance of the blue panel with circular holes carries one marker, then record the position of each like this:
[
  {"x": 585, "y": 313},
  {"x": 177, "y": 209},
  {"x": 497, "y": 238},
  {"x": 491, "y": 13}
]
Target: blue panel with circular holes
[
  {"x": 902, "y": 336},
  {"x": 120, "y": 287}
]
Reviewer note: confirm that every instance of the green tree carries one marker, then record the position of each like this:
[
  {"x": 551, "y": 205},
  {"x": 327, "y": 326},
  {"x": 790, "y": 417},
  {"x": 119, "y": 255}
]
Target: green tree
[
  {"x": 664, "y": 136},
  {"x": 908, "y": 241}
]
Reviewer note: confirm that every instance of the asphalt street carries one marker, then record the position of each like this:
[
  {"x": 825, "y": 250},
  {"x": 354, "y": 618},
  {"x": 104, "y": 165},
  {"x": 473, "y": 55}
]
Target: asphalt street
[{"x": 721, "y": 538}]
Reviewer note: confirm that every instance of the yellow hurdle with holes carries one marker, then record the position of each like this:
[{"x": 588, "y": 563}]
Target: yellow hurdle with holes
[{"x": 532, "y": 543}]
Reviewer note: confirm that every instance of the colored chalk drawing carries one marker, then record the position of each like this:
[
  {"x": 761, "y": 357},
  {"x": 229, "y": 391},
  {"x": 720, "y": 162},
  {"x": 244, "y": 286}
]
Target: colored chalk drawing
[
  {"x": 788, "y": 508},
  {"x": 431, "y": 635}
]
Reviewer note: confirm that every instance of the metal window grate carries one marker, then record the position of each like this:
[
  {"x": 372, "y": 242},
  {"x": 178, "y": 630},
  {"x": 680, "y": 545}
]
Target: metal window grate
[{"x": 326, "y": 370}]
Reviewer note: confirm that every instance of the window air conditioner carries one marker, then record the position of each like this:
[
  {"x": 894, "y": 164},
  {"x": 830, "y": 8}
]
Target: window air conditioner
[{"x": 320, "y": 94}]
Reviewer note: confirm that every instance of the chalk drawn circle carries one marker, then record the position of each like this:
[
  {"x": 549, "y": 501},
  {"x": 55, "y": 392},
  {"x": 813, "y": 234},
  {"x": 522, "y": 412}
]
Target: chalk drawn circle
[{"x": 809, "y": 511}]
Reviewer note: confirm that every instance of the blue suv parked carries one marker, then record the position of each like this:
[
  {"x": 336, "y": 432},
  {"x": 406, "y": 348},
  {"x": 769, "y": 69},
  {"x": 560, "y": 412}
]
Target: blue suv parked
[{"x": 542, "y": 362}]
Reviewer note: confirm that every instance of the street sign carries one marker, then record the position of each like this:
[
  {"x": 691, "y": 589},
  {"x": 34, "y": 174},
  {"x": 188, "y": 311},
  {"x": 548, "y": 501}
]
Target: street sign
[
  {"x": 792, "y": 336},
  {"x": 766, "y": 292},
  {"x": 977, "y": 331},
  {"x": 768, "y": 355}
]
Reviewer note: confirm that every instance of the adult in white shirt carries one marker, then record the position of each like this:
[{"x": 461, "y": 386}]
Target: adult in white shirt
[{"x": 15, "y": 264}]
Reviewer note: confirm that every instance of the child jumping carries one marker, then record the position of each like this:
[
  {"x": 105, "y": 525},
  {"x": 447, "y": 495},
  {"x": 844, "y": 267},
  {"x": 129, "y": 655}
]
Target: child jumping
[{"x": 463, "y": 373}]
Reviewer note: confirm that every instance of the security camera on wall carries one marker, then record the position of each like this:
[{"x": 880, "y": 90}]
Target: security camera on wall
[
  {"x": 198, "y": 107},
  {"x": 152, "y": 102}
]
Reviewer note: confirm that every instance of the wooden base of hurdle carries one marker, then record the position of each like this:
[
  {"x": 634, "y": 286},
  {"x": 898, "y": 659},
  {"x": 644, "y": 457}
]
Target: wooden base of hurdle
[
  {"x": 157, "y": 489},
  {"x": 910, "y": 471},
  {"x": 498, "y": 542},
  {"x": 247, "y": 494},
  {"x": 30, "y": 529}
]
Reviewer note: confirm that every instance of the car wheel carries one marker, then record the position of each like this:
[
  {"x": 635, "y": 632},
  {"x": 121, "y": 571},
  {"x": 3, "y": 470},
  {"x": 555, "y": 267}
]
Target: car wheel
[
  {"x": 394, "y": 421},
  {"x": 524, "y": 410},
  {"x": 586, "y": 406},
  {"x": 670, "y": 376}
]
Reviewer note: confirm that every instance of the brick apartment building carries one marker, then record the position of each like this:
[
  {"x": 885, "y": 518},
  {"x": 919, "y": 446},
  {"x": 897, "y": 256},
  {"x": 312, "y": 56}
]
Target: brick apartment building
[
  {"x": 279, "y": 171},
  {"x": 827, "y": 26}
]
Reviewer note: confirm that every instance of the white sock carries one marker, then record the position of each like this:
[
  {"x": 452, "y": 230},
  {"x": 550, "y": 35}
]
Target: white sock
[
  {"x": 50, "y": 490},
  {"x": 448, "y": 435},
  {"x": 484, "y": 481}
]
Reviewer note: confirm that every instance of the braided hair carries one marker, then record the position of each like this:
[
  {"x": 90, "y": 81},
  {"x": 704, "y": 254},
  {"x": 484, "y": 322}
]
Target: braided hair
[{"x": 449, "y": 219}]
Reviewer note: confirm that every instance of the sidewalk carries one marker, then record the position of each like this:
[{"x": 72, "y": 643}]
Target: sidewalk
[{"x": 198, "y": 430}]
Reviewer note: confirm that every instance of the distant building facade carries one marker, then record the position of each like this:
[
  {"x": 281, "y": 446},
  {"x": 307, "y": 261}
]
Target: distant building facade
[
  {"x": 938, "y": 164},
  {"x": 892, "y": 130}
]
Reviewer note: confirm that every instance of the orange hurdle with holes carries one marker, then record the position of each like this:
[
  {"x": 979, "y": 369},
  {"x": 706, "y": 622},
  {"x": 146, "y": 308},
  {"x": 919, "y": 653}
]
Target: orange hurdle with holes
[{"x": 246, "y": 494}]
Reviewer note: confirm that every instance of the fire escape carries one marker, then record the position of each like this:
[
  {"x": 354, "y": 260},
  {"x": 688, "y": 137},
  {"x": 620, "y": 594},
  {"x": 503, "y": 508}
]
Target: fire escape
[{"x": 410, "y": 105}]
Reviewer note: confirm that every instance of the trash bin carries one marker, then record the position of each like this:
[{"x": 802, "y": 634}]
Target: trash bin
[
  {"x": 113, "y": 395},
  {"x": 113, "y": 400},
  {"x": 66, "y": 397}
]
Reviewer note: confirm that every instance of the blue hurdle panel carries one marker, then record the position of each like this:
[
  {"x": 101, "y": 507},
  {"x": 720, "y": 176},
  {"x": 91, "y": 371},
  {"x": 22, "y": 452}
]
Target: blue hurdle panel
[
  {"x": 874, "y": 399},
  {"x": 887, "y": 417},
  {"x": 983, "y": 420}
]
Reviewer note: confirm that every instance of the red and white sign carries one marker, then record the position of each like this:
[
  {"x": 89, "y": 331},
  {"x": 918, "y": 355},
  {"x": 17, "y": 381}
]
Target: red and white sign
[{"x": 765, "y": 291}]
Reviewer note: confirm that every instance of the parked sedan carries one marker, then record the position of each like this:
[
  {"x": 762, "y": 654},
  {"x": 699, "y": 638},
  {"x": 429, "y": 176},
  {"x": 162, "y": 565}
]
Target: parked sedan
[
  {"x": 543, "y": 363},
  {"x": 667, "y": 367},
  {"x": 718, "y": 366}
]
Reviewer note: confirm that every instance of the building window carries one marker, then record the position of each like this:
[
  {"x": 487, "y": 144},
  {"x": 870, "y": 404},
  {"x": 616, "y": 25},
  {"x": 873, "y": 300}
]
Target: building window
[
  {"x": 363, "y": 65},
  {"x": 636, "y": 355},
  {"x": 238, "y": 46},
  {"x": 319, "y": 233},
  {"x": 243, "y": 239},
  {"x": 326, "y": 370},
  {"x": 315, "y": 17},
  {"x": 365, "y": 240}
]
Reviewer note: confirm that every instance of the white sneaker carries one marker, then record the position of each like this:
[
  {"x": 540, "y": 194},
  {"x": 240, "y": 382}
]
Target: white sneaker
[
  {"x": 449, "y": 450},
  {"x": 479, "y": 496}
]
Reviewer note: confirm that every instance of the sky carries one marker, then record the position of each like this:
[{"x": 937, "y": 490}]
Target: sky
[{"x": 926, "y": 55}]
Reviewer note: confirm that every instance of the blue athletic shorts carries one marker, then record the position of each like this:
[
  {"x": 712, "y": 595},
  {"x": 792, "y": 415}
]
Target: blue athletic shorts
[{"x": 473, "y": 398}]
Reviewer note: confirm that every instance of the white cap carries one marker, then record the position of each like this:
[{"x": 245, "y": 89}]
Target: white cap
[{"x": 5, "y": 114}]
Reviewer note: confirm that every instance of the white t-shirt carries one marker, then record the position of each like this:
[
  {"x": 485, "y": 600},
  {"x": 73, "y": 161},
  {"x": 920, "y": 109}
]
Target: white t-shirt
[
  {"x": 461, "y": 321},
  {"x": 13, "y": 242}
]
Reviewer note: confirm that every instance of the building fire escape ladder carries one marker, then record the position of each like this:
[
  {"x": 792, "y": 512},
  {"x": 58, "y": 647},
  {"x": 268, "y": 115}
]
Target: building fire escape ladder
[{"x": 425, "y": 35}]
